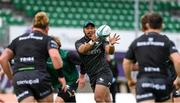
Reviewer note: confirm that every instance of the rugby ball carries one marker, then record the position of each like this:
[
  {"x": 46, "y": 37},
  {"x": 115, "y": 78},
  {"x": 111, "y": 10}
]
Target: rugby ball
[{"x": 103, "y": 31}]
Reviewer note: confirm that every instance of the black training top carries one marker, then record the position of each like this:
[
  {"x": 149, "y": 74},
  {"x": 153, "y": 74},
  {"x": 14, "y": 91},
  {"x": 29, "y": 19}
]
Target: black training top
[
  {"x": 152, "y": 53},
  {"x": 95, "y": 60},
  {"x": 31, "y": 51}
]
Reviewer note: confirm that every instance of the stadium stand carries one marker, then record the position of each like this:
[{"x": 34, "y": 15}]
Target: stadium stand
[
  {"x": 119, "y": 14},
  {"x": 6, "y": 15}
]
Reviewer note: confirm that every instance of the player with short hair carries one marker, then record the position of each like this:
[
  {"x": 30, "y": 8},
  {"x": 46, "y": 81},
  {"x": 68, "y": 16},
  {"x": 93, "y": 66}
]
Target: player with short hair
[
  {"x": 93, "y": 55},
  {"x": 152, "y": 51},
  {"x": 30, "y": 52}
]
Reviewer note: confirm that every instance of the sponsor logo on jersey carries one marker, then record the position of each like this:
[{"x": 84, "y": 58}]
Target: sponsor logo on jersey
[
  {"x": 144, "y": 95},
  {"x": 22, "y": 94},
  {"x": 101, "y": 79},
  {"x": 53, "y": 44},
  {"x": 31, "y": 36},
  {"x": 26, "y": 59},
  {"x": 154, "y": 86},
  {"x": 151, "y": 69},
  {"x": 35, "y": 81},
  {"x": 150, "y": 42}
]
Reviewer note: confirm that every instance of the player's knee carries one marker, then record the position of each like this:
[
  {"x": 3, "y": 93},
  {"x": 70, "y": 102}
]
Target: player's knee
[
  {"x": 59, "y": 100},
  {"x": 99, "y": 98},
  {"x": 108, "y": 98}
]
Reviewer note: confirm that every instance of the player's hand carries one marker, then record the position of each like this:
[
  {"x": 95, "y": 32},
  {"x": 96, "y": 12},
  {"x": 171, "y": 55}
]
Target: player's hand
[
  {"x": 177, "y": 82},
  {"x": 81, "y": 81},
  {"x": 132, "y": 86},
  {"x": 63, "y": 83},
  {"x": 131, "y": 83},
  {"x": 114, "y": 39}
]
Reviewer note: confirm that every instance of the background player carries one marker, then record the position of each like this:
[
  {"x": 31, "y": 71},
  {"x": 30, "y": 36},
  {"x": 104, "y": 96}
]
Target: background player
[
  {"x": 153, "y": 83},
  {"x": 92, "y": 54},
  {"x": 69, "y": 69}
]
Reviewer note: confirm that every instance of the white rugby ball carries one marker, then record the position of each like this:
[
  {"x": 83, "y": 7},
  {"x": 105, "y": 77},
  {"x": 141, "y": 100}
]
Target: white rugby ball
[{"x": 103, "y": 31}]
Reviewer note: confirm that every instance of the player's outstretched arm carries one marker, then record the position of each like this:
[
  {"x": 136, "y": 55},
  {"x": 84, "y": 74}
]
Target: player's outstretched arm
[{"x": 112, "y": 40}]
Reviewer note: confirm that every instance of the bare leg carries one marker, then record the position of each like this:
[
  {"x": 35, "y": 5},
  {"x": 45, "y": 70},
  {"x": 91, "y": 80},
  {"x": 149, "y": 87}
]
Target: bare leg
[
  {"x": 59, "y": 100},
  {"x": 108, "y": 96},
  {"x": 101, "y": 93},
  {"x": 176, "y": 99},
  {"x": 29, "y": 99},
  {"x": 48, "y": 99}
]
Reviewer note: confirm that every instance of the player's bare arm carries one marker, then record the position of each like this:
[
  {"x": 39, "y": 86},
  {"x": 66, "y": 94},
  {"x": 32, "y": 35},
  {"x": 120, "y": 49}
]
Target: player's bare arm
[
  {"x": 127, "y": 64},
  {"x": 112, "y": 40},
  {"x": 6, "y": 56},
  {"x": 175, "y": 57}
]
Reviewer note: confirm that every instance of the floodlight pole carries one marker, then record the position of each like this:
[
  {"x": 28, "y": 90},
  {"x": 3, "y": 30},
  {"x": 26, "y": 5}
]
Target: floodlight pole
[
  {"x": 151, "y": 3},
  {"x": 136, "y": 17}
]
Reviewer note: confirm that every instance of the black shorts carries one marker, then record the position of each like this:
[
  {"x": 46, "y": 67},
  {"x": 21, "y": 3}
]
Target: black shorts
[
  {"x": 157, "y": 89},
  {"x": 103, "y": 78},
  {"x": 31, "y": 83},
  {"x": 176, "y": 93},
  {"x": 69, "y": 95}
]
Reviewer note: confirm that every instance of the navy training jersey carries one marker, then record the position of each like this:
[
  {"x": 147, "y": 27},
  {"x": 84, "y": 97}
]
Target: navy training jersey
[
  {"x": 31, "y": 50},
  {"x": 152, "y": 53},
  {"x": 95, "y": 60}
]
